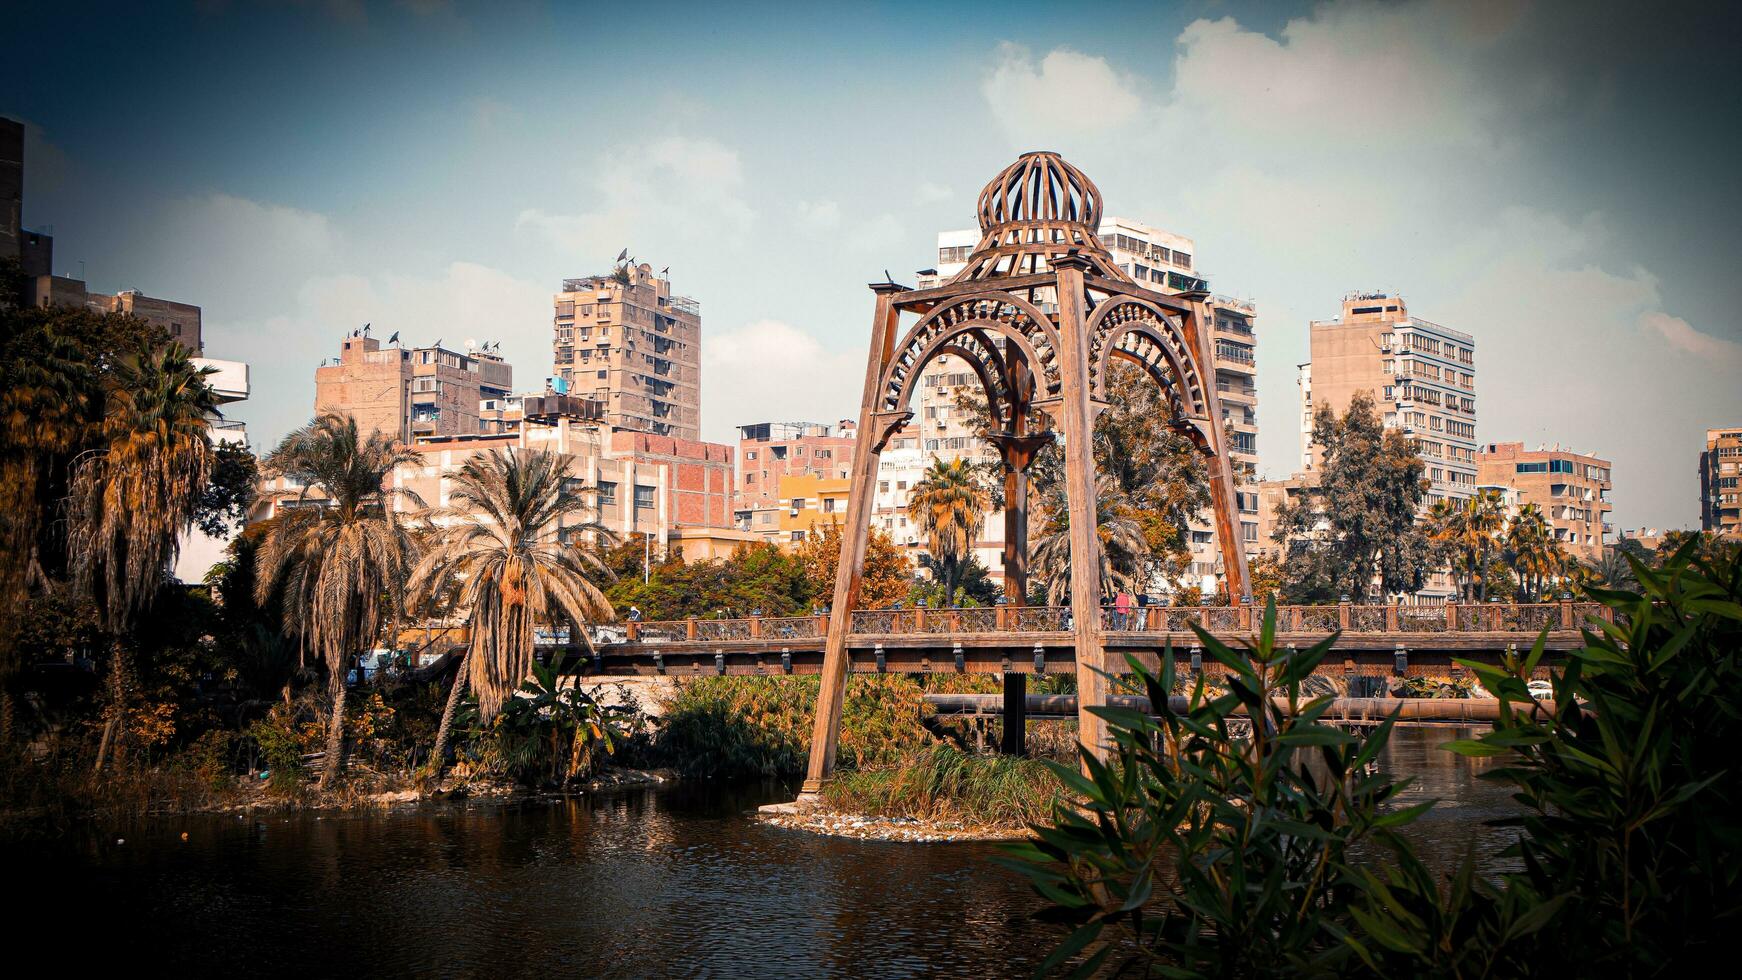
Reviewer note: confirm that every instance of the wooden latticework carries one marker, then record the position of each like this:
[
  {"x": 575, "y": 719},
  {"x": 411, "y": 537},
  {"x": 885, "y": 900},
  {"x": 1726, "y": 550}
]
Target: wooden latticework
[{"x": 1037, "y": 313}]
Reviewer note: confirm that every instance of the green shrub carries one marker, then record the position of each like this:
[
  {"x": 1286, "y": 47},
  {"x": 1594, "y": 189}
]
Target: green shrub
[
  {"x": 944, "y": 783},
  {"x": 1631, "y": 830},
  {"x": 281, "y": 749},
  {"x": 1196, "y": 851},
  {"x": 726, "y": 727}
]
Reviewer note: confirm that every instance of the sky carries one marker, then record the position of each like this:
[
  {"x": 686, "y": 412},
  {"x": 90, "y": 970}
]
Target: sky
[{"x": 1557, "y": 179}]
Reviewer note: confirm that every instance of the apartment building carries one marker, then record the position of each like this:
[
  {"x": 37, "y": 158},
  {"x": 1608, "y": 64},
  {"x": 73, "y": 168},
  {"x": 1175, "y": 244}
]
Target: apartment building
[
  {"x": 770, "y": 451},
  {"x": 1422, "y": 377},
  {"x": 1571, "y": 489},
  {"x": 646, "y": 484},
  {"x": 1163, "y": 261},
  {"x": 180, "y": 320},
  {"x": 415, "y": 391},
  {"x": 626, "y": 341},
  {"x": 802, "y": 503},
  {"x": 1721, "y": 482}
]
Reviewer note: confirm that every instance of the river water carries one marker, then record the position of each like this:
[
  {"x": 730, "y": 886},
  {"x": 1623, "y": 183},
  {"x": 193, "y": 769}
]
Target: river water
[{"x": 677, "y": 881}]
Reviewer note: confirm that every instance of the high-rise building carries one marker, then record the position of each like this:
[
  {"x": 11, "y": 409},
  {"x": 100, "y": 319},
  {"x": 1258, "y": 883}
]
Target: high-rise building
[
  {"x": 1721, "y": 482},
  {"x": 414, "y": 392},
  {"x": 1160, "y": 260},
  {"x": 1571, "y": 489},
  {"x": 624, "y": 340},
  {"x": 1422, "y": 378},
  {"x": 769, "y": 451}
]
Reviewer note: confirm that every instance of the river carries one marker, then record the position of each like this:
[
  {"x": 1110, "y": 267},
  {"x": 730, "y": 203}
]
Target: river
[{"x": 678, "y": 881}]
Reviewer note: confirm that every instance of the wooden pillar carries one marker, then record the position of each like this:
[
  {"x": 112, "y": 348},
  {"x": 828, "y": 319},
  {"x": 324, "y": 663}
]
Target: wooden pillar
[
  {"x": 1085, "y": 543},
  {"x": 868, "y": 446},
  {"x": 1016, "y": 448},
  {"x": 1224, "y": 499}
]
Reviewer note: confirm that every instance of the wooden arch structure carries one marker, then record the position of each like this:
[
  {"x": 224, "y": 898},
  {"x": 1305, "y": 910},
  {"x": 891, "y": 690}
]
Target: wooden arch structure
[{"x": 1037, "y": 313}]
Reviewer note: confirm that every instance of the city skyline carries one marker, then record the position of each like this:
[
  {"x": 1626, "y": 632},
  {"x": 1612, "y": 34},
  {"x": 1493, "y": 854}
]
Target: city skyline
[{"x": 1498, "y": 200}]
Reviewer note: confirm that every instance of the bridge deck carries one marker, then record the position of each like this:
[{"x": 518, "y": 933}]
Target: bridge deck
[{"x": 1033, "y": 640}]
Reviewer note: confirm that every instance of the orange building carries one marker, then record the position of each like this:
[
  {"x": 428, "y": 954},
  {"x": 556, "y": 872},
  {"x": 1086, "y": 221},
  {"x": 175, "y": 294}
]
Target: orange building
[{"x": 1572, "y": 490}]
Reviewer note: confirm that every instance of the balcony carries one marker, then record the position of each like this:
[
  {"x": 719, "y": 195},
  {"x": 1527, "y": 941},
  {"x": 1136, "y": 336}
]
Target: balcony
[{"x": 228, "y": 380}]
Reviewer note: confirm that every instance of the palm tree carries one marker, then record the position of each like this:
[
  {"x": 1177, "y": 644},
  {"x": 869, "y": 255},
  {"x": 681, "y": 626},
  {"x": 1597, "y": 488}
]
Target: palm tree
[
  {"x": 132, "y": 499},
  {"x": 1123, "y": 545},
  {"x": 949, "y": 505},
  {"x": 497, "y": 556},
  {"x": 341, "y": 556},
  {"x": 1484, "y": 519},
  {"x": 1445, "y": 528},
  {"x": 1536, "y": 553}
]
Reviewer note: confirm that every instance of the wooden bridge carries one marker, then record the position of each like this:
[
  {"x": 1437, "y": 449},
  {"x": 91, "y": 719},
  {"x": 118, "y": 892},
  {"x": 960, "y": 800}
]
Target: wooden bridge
[{"x": 1376, "y": 640}]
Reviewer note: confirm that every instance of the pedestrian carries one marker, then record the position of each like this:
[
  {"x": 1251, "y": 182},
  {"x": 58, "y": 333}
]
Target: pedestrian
[
  {"x": 1122, "y": 609},
  {"x": 634, "y": 614}
]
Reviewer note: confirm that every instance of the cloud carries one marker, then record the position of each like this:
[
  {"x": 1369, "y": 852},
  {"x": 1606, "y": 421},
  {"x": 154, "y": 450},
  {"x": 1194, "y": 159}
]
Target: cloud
[
  {"x": 770, "y": 370},
  {"x": 675, "y": 189},
  {"x": 1681, "y": 335},
  {"x": 277, "y": 288},
  {"x": 818, "y": 217},
  {"x": 1064, "y": 94}
]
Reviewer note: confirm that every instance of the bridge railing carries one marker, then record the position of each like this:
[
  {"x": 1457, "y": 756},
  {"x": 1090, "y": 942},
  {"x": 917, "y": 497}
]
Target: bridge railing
[{"x": 1526, "y": 619}]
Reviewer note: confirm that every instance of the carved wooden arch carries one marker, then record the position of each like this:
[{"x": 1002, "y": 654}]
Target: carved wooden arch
[
  {"x": 1139, "y": 332},
  {"x": 970, "y": 322}
]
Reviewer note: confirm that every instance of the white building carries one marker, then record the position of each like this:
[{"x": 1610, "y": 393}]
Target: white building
[{"x": 200, "y": 551}]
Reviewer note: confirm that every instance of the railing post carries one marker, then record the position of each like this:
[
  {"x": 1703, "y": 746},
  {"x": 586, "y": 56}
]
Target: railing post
[
  {"x": 689, "y": 629},
  {"x": 1452, "y": 616},
  {"x": 1343, "y": 613},
  {"x": 1566, "y": 611},
  {"x": 632, "y": 631},
  {"x": 955, "y": 621},
  {"x": 756, "y": 624},
  {"x": 1391, "y": 618},
  {"x": 919, "y": 618},
  {"x": 1154, "y": 618},
  {"x": 1295, "y": 615},
  {"x": 822, "y": 624},
  {"x": 1246, "y": 614},
  {"x": 1204, "y": 617},
  {"x": 1003, "y": 615}
]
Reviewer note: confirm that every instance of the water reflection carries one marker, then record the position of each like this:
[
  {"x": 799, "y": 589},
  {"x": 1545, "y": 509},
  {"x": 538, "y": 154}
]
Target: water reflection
[{"x": 673, "y": 882}]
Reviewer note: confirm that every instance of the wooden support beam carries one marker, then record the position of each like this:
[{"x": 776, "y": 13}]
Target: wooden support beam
[
  {"x": 1085, "y": 542},
  {"x": 868, "y": 447}
]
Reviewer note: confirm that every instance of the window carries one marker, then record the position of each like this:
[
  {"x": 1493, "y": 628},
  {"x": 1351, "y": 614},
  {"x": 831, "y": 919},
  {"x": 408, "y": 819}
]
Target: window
[
  {"x": 1248, "y": 532},
  {"x": 798, "y": 503},
  {"x": 750, "y": 455},
  {"x": 607, "y": 492},
  {"x": 828, "y": 505},
  {"x": 882, "y": 486},
  {"x": 798, "y": 535},
  {"x": 644, "y": 496}
]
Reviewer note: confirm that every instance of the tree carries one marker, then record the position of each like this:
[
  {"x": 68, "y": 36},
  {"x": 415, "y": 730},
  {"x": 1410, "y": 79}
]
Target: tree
[
  {"x": 1123, "y": 545},
  {"x": 757, "y": 577},
  {"x": 884, "y": 578},
  {"x": 1536, "y": 557},
  {"x": 1355, "y": 533},
  {"x": 949, "y": 506},
  {"x": 60, "y": 365},
  {"x": 340, "y": 555},
  {"x": 132, "y": 499},
  {"x": 1160, "y": 474},
  {"x": 498, "y": 558},
  {"x": 231, "y": 490}
]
